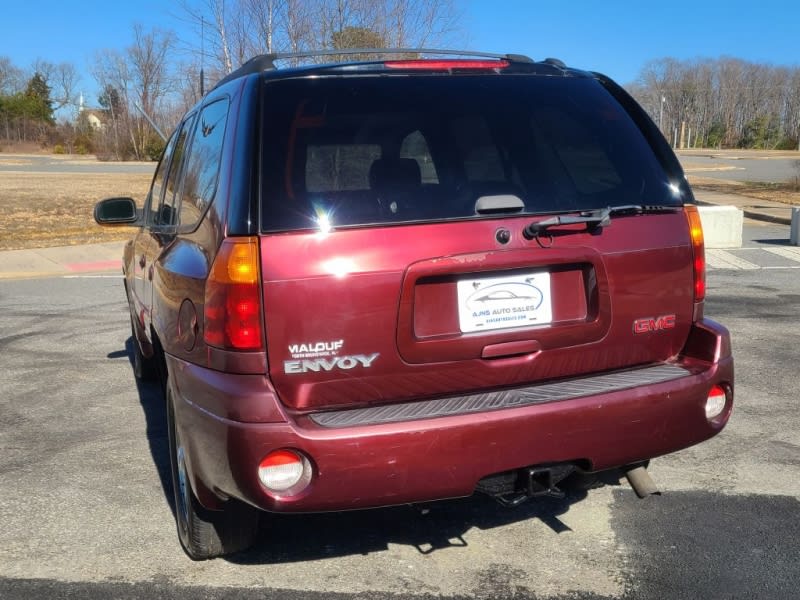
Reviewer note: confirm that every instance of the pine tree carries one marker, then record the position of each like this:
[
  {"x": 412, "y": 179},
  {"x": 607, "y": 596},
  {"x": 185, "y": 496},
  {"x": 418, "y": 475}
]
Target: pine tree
[{"x": 39, "y": 106}]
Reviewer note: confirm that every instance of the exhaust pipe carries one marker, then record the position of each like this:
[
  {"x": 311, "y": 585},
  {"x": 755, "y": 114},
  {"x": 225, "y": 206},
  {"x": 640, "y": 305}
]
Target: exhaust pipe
[{"x": 640, "y": 481}]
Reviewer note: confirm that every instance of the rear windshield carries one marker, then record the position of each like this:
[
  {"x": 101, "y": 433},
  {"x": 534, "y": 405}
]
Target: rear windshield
[{"x": 349, "y": 151}]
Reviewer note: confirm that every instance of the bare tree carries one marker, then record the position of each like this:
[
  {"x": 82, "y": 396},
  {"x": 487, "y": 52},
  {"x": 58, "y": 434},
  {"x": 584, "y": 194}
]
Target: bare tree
[
  {"x": 63, "y": 80},
  {"x": 12, "y": 79},
  {"x": 239, "y": 29},
  {"x": 112, "y": 72},
  {"x": 141, "y": 74},
  {"x": 297, "y": 26},
  {"x": 723, "y": 102}
]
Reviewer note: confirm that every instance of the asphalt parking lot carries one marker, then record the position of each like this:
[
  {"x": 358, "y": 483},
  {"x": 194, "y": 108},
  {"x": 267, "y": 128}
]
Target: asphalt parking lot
[
  {"x": 86, "y": 510},
  {"x": 742, "y": 165}
]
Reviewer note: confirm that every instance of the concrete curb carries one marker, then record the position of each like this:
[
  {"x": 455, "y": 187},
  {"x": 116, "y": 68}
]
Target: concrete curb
[
  {"x": 62, "y": 261},
  {"x": 754, "y": 214},
  {"x": 757, "y": 216}
]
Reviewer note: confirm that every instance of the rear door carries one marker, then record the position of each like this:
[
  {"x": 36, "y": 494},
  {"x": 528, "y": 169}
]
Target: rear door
[
  {"x": 160, "y": 219},
  {"x": 142, "y": 244},
  {"x": 393, "y": 256}
]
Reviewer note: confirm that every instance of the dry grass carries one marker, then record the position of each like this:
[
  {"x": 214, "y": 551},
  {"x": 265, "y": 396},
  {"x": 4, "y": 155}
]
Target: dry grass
[{"x": 38, "y": 210}]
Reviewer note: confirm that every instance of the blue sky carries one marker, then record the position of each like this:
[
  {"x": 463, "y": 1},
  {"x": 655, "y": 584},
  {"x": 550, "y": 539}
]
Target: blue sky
[{"x": 612, "y": 36}]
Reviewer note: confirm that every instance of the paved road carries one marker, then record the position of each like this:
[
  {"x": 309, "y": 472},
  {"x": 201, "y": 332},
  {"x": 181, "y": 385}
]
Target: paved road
[
  {"x": 46, "y": 163},
  {"x": 733, "y": 167},
  {"x": 85, "y": 508},
  {"x": 745, "y": 166},
  {"x": 763, "y": 247}
]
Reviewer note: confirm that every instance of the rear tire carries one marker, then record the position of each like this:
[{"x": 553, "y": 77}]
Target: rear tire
[
  {"x": 205, "y": 533},
  {"x": 144, "y": 369}
]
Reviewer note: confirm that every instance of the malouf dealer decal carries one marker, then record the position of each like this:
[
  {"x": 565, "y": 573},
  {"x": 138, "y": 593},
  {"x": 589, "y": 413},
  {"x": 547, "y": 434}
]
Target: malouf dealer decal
[{"x": 323, "y": 356}]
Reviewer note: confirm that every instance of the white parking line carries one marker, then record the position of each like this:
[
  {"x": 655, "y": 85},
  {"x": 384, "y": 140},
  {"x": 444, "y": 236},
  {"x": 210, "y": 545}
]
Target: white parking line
[
  {"x": 721, "y": 259},
  {"x": 92, "y": 277},
  {"x": 790, "y": 253}
]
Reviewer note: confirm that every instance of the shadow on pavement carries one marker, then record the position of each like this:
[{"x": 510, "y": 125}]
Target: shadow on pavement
[
  {"x": 151, "y": 397},
  {"x": 285, "y": 538},
  {"x": 439, "y": 525},
  {"x": 699, "y": 544},
  {"x": 775, "y": 242}
]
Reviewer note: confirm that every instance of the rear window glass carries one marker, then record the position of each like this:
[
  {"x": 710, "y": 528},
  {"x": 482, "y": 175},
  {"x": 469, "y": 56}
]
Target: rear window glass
[
  {"x": 339, "y": 167},
  {"x": 349, "y": 151}
]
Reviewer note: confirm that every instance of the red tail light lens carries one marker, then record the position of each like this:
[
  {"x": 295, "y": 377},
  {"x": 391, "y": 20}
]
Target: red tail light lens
[
  {"x": 233, "y": 300},
  {"x": 698, "y": 248},
  {"x": 446, "y": 65}
]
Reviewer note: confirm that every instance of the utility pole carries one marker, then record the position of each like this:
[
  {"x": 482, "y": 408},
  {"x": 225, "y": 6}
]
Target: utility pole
[{"x": 661, "y": 112}]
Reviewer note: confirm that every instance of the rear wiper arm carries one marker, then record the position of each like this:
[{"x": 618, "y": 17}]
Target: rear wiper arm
[{"x": 594, "y": 219}]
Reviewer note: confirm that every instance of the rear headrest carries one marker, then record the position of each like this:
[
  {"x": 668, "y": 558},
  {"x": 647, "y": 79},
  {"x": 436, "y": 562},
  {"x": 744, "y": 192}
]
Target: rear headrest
[{"x": 394, "y": 174}]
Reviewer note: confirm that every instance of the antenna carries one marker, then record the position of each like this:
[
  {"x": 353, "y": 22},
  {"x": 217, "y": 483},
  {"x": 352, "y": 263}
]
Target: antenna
[
  {"x": 149, "y": 120},
  {"x": 202, "y": 54}
]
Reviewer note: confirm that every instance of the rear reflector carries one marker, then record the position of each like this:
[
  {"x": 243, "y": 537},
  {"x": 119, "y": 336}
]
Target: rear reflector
[
  {"x": 284, "y": 471},
  {"x": 699, "y": 254},
  {"x": 233, "y": 299},
  {"x": 445, "y": 65},
  {"x": 715, "y": 403}
]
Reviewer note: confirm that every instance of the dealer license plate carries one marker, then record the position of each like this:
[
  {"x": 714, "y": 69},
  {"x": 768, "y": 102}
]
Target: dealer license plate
[{"x": 518, "y": 300}]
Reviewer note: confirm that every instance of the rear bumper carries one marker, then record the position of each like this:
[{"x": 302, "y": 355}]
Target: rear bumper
[{"x": 443, "y": 457}]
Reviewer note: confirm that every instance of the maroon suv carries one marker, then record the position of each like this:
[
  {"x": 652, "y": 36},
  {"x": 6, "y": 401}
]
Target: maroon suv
[{"x": 388, "y": 282}]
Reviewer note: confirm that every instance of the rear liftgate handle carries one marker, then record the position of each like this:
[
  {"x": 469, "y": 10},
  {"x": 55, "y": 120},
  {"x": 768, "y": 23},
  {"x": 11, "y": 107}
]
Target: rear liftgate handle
[{"x": 511, "y": 349}]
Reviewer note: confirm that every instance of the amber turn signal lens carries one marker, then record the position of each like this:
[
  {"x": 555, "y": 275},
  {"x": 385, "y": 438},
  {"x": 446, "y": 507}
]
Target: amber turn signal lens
[{"x": 698, "y": 248}]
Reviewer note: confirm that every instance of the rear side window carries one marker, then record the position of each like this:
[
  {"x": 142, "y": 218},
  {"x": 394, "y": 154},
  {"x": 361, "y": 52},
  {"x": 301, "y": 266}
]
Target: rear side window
[
  {"x": 167, "y": 215},
  {"x": 356, "y": 151},
  {"x": 203, "y": 163},
  {"x": 157, "y": 187}
]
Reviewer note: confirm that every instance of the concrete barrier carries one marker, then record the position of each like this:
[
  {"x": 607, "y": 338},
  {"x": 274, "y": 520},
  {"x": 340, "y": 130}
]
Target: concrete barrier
[{"x": 722, "y": 226}]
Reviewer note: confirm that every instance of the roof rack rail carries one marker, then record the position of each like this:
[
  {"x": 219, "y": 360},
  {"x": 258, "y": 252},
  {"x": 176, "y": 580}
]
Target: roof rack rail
[
  {"x": 556, "y": 62},
  {"x": 266, "y": 62}
]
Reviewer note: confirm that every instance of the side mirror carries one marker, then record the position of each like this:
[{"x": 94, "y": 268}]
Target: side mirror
[{"x": 116, "y": 211}]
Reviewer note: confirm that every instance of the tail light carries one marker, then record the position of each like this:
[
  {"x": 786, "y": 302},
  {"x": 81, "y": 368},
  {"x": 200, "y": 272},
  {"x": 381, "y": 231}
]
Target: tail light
[
  {"x": 715, "y": 403},
  {"x": 446, "y": 64},
  {"x": 233, "y": 318},
  {"x": 698, "y": 249},
  {"x": 284, "y": 472}
]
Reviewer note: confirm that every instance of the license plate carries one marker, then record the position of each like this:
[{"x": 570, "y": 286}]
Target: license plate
[{"x": 519, "y": 300}]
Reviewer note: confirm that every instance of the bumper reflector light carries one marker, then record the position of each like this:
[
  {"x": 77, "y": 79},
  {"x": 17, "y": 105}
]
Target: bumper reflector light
[
  {"x": 284, "y": 472},
  {"x": 715, "y": 403}
]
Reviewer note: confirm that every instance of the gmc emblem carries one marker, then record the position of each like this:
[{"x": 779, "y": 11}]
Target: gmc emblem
[{"x": 649, "y": 324}]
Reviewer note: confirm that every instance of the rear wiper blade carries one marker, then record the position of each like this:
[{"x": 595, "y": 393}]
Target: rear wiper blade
[
  {"x": 594, "y": 219},
  {"x": 641, "y": 209}
]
